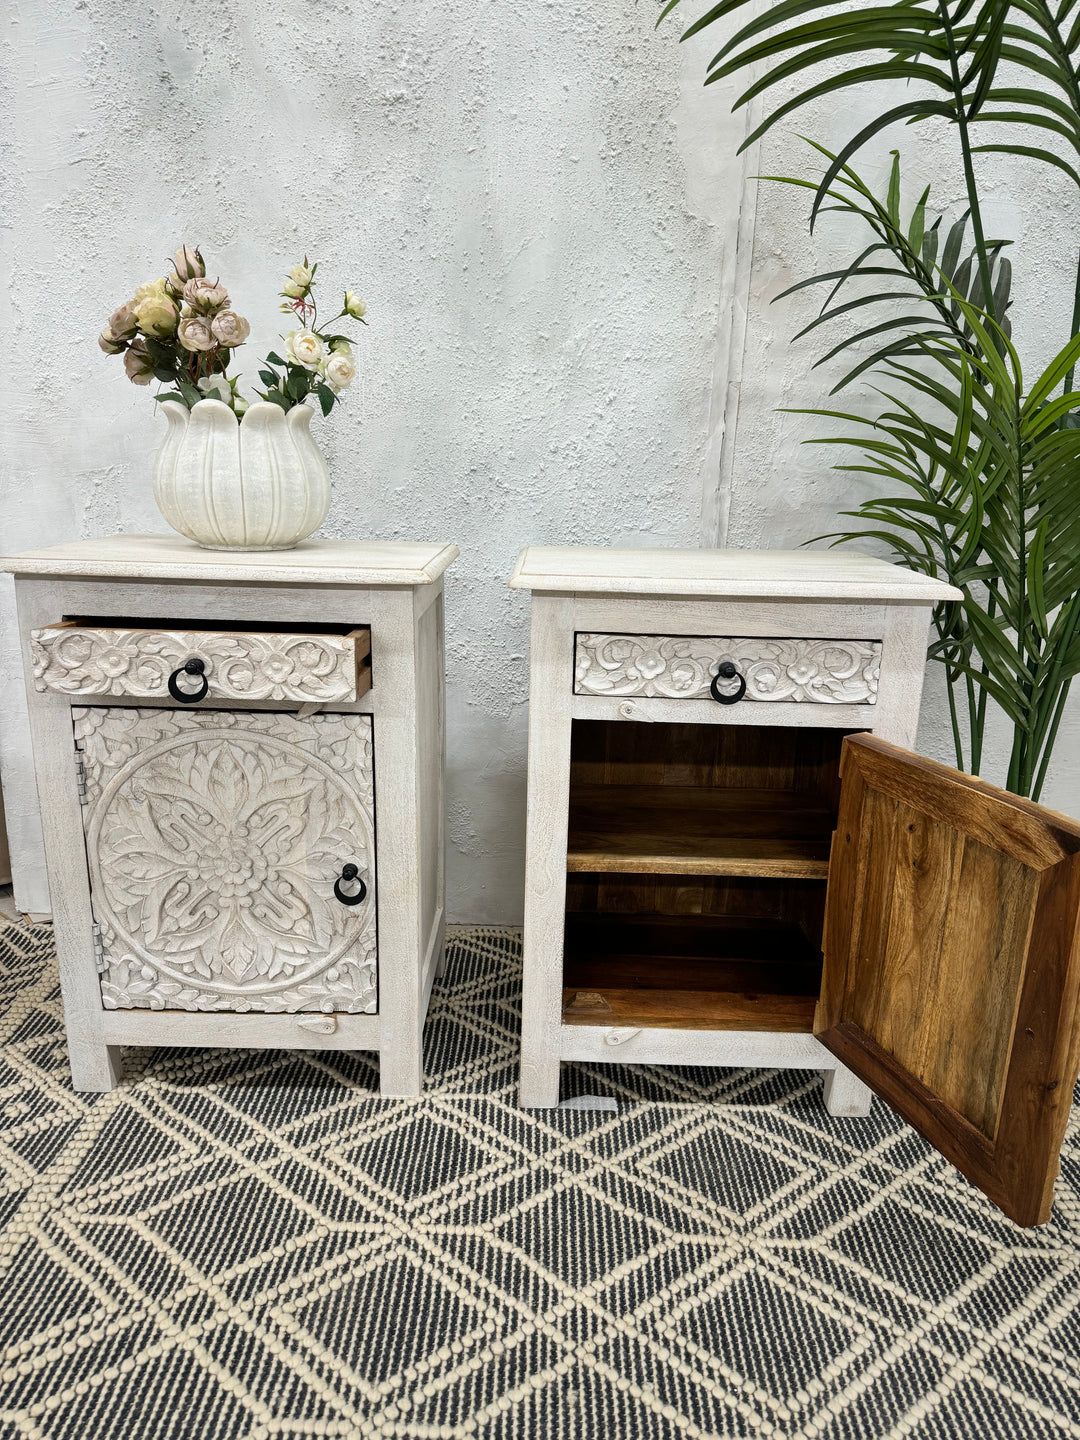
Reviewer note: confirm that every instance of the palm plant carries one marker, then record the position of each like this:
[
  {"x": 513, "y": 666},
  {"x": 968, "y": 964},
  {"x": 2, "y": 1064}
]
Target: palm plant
[
  {"x": 984, "y": 478},
  {"x": 985, "y": 472},
  {"x": 948, "y": 53}
]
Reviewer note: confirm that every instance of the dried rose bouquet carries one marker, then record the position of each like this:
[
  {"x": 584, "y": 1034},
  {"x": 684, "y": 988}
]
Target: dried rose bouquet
[{"x": 182, "y": 331}]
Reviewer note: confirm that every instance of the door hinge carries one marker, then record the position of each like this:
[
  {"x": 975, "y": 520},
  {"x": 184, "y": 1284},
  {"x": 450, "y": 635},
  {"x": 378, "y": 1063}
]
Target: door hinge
[
  {"x": 99, "y": 946},
  {"x": 80, "y": 776}
]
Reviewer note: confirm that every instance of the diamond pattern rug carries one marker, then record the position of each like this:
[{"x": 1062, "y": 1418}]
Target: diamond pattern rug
[{"x": 252, "y": 1245}]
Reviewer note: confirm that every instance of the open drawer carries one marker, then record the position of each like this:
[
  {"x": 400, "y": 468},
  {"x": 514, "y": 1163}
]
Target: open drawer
[{"x": 194, "y": 661}]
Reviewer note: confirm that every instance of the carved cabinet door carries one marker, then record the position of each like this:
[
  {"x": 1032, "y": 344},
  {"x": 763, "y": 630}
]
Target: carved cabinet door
[
  {"x": 952, "y": 964},
  {"x": 215, "y": 841}
]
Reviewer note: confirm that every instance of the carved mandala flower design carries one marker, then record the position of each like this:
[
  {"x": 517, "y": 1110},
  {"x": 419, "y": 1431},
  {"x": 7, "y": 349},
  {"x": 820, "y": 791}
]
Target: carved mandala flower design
[{"x": 217, "y": 856}]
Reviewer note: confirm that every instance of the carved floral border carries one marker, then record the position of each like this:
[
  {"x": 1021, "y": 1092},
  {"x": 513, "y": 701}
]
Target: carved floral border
[{"x": 828, "y": 672}]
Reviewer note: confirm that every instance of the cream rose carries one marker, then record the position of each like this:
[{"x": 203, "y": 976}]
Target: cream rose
[
  {"x": 195, "y": 333},
  {"x": 157, "y": 315},
  {"x": 354, "y": 306},
  {"x": 150, "y": 291},
  {"x": 229, "y": 328},
  {"x": 109, "y": 343},
  {"x": 301, "y": 275},
  {"x": 137, "y": 363},
  {"x": 305, "y": 347},
  {"x": 202, "y": 294},
  {"x": 340, "y": 370},
  {"x": 293, "y": 291}
]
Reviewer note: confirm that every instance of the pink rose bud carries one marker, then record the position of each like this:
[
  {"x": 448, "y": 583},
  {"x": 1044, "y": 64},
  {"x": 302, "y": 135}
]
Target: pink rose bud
[
  {"x": 122, "y": 321},
  {"x": 202, "y": 294},
  {"x": 189, "y": 263},
  {"x": 137, "y": 363},
  {"x": 109, "y": 343}
]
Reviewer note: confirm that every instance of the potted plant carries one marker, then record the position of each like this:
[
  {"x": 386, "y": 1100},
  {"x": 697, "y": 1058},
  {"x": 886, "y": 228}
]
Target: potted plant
[
  {"x": 980, "y": 458},
  {"x": 234, "y": 475}
]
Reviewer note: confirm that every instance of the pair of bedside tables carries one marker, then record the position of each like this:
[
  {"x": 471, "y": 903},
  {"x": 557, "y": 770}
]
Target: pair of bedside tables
[{"x": 733, "y": 857}]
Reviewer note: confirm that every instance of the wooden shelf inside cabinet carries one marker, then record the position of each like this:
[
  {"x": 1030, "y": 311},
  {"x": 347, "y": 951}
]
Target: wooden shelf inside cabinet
[
  {"x": 689, "y": 972},
  {"x": 697, "y": 830}
]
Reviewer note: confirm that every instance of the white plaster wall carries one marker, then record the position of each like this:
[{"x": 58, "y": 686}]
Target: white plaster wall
[{"x": 536, "y": 197}]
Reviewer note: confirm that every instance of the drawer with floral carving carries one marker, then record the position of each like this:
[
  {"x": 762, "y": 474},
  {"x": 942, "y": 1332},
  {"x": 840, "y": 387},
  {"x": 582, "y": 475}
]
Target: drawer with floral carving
[
  {"x": 313, "y": 665},
  {"x": 695, "y": 667},
  {"x": 231, "y": 858}
]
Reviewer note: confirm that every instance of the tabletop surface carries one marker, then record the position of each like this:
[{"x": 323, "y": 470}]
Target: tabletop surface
[
  {"x": 171, "y": 557},
  {"x": 800, "y": 574}
]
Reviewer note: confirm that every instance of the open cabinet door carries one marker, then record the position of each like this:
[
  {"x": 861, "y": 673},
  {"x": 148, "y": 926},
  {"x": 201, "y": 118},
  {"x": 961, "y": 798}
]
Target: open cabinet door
[{"x": 952, "y": 964}]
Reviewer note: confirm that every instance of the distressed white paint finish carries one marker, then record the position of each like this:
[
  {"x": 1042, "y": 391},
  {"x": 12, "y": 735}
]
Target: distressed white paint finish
[
  {"x": 172, "y": 558},
  {"x": 772, "y": 574},
  {"x": 683, "y": 667},
  {"x": 102, "y": 660},
  {"x": 406, "y": 717},
  {"x": 592, "y": 592},
  {"x": 214, "y": 840}
]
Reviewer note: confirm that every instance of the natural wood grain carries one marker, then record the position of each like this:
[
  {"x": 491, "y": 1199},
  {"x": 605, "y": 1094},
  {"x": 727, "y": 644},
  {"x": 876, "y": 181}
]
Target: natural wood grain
[
  {"x": 726, "y": 757},
  {"x": 952, "y": 964},
  {"x": 1034, "y": 835},
  {"x": 667, "y": 829},
  {"x": 695, "y": 800},
  {"x": 665, "y": 971},
  {"x": 699, "y": 1010}
]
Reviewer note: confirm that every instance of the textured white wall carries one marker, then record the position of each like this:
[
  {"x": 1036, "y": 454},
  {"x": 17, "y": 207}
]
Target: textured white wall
[
  {"x": 532, "y": 200},
  {"x": 539, "y": 202}
]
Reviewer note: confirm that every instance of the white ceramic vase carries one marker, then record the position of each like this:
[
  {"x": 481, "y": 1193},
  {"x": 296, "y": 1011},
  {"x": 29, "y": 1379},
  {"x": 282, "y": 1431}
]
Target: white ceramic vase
[{"x": 258, "y": 485}]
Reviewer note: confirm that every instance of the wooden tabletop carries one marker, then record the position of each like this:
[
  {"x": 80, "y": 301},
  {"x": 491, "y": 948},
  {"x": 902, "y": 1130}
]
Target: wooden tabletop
[
  {"x": 171, "y": 557},
  {"x": 799, "y": 574}
]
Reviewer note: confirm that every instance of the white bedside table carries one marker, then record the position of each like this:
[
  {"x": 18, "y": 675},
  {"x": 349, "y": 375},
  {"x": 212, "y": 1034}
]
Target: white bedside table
[
  {"x": 731, "y": 862},
  {"x": 240, "y": 761}
]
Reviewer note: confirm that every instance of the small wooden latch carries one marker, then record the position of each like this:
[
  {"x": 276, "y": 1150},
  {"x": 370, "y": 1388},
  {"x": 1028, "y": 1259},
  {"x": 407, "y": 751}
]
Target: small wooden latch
[{"x": 319, "y": 1024}]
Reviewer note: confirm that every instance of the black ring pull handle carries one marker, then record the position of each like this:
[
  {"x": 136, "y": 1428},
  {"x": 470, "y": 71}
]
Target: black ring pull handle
[
  {"x": 726, "y": 671},
  {"x": 350, "y": 872},
  {"x": 194, "y": 666}
]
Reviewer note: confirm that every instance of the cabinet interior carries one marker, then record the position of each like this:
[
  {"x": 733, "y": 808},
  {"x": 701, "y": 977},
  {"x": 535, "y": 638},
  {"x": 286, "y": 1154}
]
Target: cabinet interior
[{"x": 697, "y": 862}]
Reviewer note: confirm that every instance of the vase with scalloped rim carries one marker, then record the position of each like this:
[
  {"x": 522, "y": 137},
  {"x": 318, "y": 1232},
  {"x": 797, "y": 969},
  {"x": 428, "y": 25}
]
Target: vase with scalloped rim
[{"x": 261, "y": 484}]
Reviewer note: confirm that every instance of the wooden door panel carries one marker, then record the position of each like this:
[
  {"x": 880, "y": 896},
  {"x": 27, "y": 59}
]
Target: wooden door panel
[{"x": 952, "y": 964}]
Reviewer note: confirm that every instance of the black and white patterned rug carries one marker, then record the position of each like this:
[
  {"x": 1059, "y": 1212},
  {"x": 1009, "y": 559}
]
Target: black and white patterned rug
[{"x": 247, "y": 1246}]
